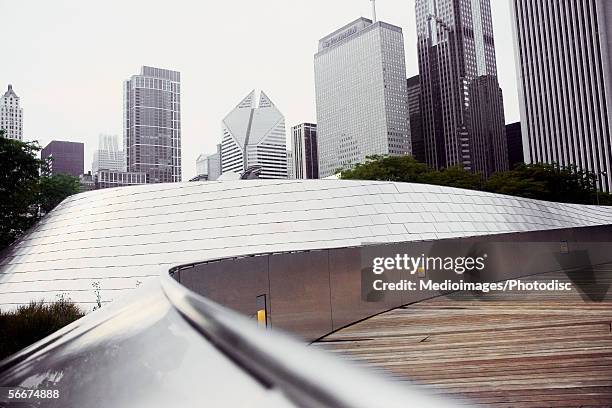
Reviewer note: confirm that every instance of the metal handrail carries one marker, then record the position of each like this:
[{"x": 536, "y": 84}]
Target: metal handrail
[{"x": 308, "y": 378}]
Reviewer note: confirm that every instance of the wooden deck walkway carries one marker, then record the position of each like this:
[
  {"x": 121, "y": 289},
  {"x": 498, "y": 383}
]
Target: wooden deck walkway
[{"x": 540, "y": 350}]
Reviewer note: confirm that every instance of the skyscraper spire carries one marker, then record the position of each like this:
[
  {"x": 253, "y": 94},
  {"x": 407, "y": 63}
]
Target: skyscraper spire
[{"x": 373, "y": 10}]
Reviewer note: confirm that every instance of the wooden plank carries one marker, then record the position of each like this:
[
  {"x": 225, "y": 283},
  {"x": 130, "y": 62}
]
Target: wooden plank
[{"x": 519, "y": 349}]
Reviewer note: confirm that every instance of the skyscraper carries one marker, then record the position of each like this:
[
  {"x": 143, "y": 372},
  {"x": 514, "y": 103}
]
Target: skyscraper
[
  {"x": 455, "y": 48},
  {"x": 209, "y": 166},
  {"x": 416, "y": 120},
  {"x": 113, "y": 178},
  {"x": 214, "y": 164},
  {"x": 11, "y": 115},
  {"x": 108, "y": 156},
  {"x": 489, "y": 145},
  {"x": 515, "y": 144},
  {"x": 290, "y": 165},
  {"x": 254, "y": 134},
  {"x": 152, "y": 124},
  {"x": 202, "y": 165},
  {"x": 362, "y": 107},
  {"x": 67, "y": 157},
  {"x": 305, "y": 151},
  {"x": 564, "y": 63}
]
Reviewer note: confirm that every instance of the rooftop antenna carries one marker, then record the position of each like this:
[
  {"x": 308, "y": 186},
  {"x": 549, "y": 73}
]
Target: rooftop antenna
[{"x": 373, "y": 10}]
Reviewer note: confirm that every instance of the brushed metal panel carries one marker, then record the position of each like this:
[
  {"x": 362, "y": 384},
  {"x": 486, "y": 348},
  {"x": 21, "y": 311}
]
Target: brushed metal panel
[
  {"x": 234, "y": 283},
  {"x": 300, "y": 293}
]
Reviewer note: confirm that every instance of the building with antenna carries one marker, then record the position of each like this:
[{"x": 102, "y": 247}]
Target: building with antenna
[
  {"x": 254, "y": 135},
  {"x": 361, "y": 94},
  {"x": 373, "y": 10}
]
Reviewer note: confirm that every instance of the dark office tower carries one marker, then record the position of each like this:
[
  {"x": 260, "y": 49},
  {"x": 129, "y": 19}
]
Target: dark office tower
[
  {"x": 152, "y": 124},
  {"x": 455, "y": 47},
  {"x": 416, "y": 121},
  {"x": 67, "y": 157},
  {"x": 490, "y": 147},
  {"x": 304, "y": 151},
  {"x": 515, "y": 144},
  {"x": 564, "y": 57}
]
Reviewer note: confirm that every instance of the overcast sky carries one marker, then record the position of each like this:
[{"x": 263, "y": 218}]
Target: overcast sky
[{"x": 67, "y": 59}]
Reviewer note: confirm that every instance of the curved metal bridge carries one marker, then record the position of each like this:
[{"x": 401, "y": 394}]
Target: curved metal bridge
[{"x": 301, "y": 247}]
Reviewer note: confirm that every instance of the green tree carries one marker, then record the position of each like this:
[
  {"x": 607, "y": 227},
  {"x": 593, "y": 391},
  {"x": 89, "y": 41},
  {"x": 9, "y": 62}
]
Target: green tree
[
  {"x": 54, "y": 189},
  {"x": 19, "y": 187},
  {"x": 26, "y": 189},
  {"x": 386, "y": 168},
  {"x": 549, "y": 182},
  {"x": 455, "y": 176},
  {"x": 409, "y": 170}
]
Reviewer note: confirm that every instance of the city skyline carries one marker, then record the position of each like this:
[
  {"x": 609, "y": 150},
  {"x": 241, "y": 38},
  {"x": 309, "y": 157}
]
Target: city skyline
[{"x": 51, "y": 96}]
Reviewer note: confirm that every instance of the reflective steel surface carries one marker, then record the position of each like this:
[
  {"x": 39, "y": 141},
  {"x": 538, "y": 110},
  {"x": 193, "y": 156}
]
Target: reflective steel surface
[
  {"x": 167, "y": 347},
  {"x": 163, "y": 345}
]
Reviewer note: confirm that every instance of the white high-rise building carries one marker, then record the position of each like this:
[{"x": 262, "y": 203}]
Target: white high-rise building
[
  {"x": 202, "y": 165},
  {"x": 361, "y": 93},
  {"x": 290, "y": 165},
  {"x": 108, "y": 156},
  {"x": 254, "y": 135},
  {"x": 564, "y": 63},
  {"x": 209, "y": 165},
  {"x": 11, "y": 115}
]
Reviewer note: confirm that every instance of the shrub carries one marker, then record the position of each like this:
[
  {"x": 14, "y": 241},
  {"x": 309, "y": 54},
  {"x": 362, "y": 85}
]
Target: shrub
[{"x": 28, "y": 324}]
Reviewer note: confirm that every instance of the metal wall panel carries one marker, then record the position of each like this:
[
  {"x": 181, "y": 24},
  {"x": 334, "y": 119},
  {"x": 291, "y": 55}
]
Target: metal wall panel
[
  {"x": 120, "y": 238},
  {"x": 345, "y": 287},
  {"x": 314, "y": 293},
  {"x": 300, "y": 293},
  {"x": 234, "y": 282}
]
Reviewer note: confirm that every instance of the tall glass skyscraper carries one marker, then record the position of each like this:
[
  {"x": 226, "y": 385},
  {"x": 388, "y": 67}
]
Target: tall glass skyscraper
[
  {"x": 254, "y": 135},
  {"x": 456, "y": 47},
  {"x": 362, "y": 101},
  {"x": 564, "y": 63},
  {"x": 152, "y": 124}
]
